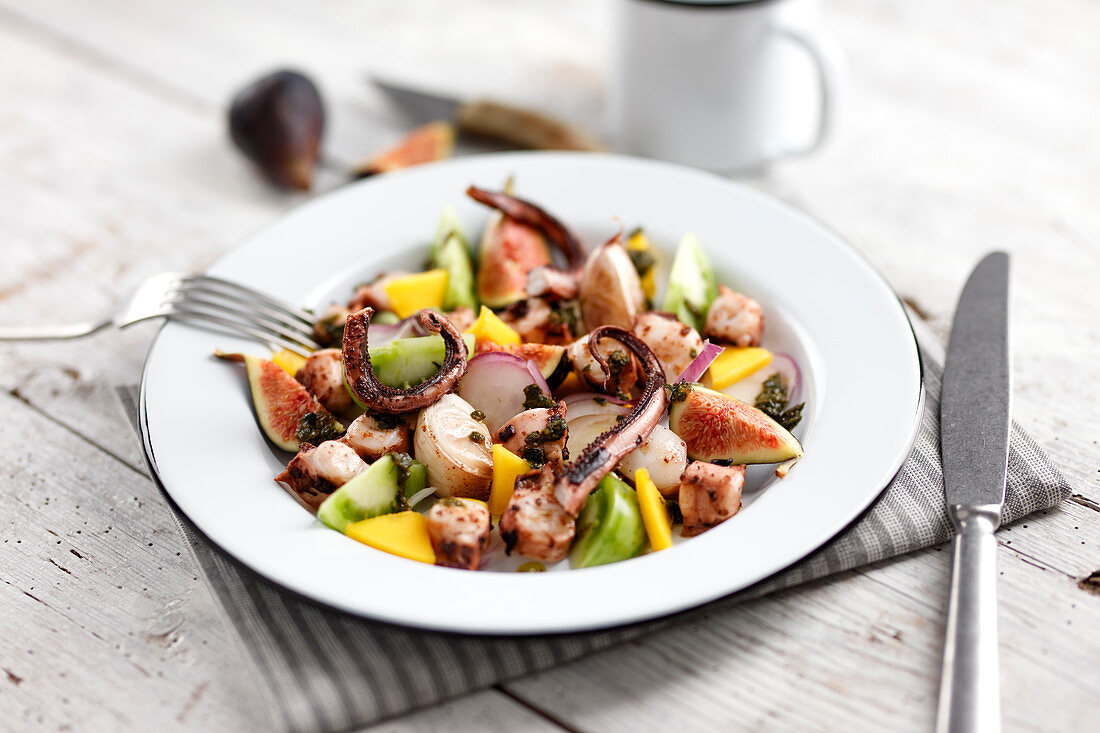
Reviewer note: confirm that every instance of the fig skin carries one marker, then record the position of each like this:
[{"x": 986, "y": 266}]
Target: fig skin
[{"x": 277, "y": 122}]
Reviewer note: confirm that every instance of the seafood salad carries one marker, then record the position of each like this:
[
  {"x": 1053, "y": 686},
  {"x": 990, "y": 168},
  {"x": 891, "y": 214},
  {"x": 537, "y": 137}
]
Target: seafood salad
[{"x": 530, "y": 401}]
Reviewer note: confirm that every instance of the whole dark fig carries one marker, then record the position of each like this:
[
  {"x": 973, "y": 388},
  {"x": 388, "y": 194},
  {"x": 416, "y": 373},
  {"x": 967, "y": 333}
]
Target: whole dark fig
[{"x": 277, "y": 122}]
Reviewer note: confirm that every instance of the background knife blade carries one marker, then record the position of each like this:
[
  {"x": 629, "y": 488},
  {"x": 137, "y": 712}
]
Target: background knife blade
[
  {"x": 976, "y": 399},
  {"x": 485, "y": 118},
  {"x": 421, "y": 106}
]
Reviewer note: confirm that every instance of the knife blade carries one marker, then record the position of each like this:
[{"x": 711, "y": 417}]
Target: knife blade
[
  {"x": 975, "y": 409},
  {"x": 489, "y": 119},
  {"x": 975, "y": 402}
]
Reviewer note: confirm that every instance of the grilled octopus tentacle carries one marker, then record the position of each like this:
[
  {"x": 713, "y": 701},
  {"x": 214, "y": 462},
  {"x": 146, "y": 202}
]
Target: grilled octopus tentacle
[
  {"x": 527, "y": 213},
  {"x": 364, "y": 383},
  {"x": 578, "y": 478}
]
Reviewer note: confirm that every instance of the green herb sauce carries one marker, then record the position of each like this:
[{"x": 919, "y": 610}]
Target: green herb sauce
[
  {"x": 773, "y": 401},
  {"x": 643, "y": 260},
  {"x": 554, "y": 430},
  {"x": 534, "y": 397},
  {"x": 678, "y": 391},
  {"x": 384, "y": 420},
  {"x": 317, "y": 427}
]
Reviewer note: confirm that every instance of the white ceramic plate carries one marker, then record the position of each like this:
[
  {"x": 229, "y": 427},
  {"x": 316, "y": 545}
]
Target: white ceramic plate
[{"x": 824, "y": 304}]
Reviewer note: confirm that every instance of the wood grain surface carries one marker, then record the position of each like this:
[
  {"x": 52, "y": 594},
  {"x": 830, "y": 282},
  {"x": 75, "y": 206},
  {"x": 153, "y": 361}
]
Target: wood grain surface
[{"x": 965, "y": 128}]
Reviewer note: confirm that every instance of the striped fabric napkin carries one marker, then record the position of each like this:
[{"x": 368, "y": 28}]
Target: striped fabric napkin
[{"x": 326, "y": 670}]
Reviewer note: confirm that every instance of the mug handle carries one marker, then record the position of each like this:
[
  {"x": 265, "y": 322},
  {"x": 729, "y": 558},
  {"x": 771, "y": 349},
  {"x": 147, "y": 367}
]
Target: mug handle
[{"x": 828, "y": 60}]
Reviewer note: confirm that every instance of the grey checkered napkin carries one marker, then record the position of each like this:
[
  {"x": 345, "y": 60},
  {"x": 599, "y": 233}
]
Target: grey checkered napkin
[{"x": 327, "y": 671}]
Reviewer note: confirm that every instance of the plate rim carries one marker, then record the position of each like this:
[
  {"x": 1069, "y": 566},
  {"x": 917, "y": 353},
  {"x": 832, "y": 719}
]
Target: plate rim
[{"x": 915, "y": 421}]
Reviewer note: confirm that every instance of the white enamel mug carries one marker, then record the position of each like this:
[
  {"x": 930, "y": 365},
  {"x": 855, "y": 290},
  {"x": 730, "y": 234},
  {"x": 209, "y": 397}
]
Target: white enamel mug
[{"x": 726, "y": 86}]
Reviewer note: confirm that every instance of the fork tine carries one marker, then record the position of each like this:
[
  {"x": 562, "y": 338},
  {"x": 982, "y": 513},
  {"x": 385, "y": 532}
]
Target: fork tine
[
  {"x": 246, "y": 305},
  {"x": 235, "y": 315},
  {"x": 253, "y": 319},
  {"x": 272, "y": 339},
  {"x": 254, "y": 295}
]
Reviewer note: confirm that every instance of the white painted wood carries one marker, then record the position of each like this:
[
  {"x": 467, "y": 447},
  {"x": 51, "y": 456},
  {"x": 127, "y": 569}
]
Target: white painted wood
[
  {"x": 166, "y": 660},
  {"x": 967, "y": 129},
  {"x": 857, "y": 652},
  {"x": 487, "y": 711}
]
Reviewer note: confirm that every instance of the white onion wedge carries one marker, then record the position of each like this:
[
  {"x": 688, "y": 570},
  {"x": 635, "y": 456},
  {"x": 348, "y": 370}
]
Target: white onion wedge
[
  {"x": 457, "y": 465},
  {"x": 663, "y": 453}
]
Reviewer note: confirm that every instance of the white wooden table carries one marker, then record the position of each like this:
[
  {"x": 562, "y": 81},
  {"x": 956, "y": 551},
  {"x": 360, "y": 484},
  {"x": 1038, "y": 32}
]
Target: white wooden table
[{"x": 970, "y": 126}]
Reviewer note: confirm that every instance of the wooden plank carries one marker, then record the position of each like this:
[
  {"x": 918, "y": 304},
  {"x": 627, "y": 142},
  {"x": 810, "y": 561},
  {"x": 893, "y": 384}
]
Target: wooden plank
[
  {"x": 858, "y": 652},
  {"x": 549, "y": 64},
  {"x": 493, "y": 711},
  {"x": 122, "y": 633},
  {"x": 165, "y": 660},
  {"x": 924, "y": 99},
  {"x": 954, "y": 189},
  {"x": 113, "y": 628}
]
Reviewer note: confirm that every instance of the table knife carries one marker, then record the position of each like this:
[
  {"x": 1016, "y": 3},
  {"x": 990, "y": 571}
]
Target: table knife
[
  {"x": 485, "y": 118},
  {"x": 974, "y": 424}
]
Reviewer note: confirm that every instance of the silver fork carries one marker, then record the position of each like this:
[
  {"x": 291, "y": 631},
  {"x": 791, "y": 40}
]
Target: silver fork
[{"x": 196, "y": 299}]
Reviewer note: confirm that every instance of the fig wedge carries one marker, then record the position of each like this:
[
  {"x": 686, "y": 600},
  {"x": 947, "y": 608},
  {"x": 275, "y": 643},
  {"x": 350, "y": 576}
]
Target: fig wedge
[
  {"x": 717, "y": 427},
  {"x": 287, "y": 412},
  {"x": 433, "y": 141},
  {"x": 277, "y": 121},
  {"x": 509, "y": 250}
]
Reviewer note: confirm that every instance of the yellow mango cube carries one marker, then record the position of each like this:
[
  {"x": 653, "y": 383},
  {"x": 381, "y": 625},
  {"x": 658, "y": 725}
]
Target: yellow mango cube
[
  {"x": 404, "y": 534},
  {"x": 737, "y": 362},
  {"x": 489, "y": 327},
  {"x": 289, "y": 361},
  {"x": 655, "y": 516},
  {"x": 413, "y": 292},
  {"x": 640, "y": 242},
  {"x": 507, "y": 467}
]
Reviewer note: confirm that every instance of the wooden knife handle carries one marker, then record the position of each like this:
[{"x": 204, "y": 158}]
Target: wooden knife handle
[{"x": 523, "y": 128}]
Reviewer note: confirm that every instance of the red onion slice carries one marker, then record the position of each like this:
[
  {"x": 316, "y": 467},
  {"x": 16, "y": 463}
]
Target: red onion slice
[
  {"x": 792, "y": 375},
  {"x": 494, "y": 383},
  {"x": 505, "y": 357},
  {"x": 588, "y": 396},
  {"x": 699, "y": 365},
  {"x": 382, "y": 333},
  {"x": 590, "y": 403}
]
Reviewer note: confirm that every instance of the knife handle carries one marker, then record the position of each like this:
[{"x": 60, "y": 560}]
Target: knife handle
[
  {"x": 970, "y": 688},
  {"x": 522, "y": 128}
]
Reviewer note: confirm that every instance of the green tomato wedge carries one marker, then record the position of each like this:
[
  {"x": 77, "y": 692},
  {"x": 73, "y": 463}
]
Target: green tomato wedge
[
  {"x": 403, "y": 363},
  {"x": 691, "y": 284},
  {"x": 449, "y": 226},
  {"x": 416, "y": 479},
  {"x": 375, "y": 491},
  {"x": 453, "y": 257},
  {"x": 609, "y": 528},
  {"x": 385, "y": 318}
]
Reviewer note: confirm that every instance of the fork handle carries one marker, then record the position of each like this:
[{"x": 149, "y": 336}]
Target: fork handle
[{"x": 51, "y": 333}]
